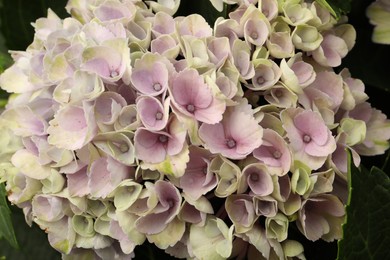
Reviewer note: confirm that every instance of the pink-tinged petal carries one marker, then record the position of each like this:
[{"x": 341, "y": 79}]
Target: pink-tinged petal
[
  {"x": 152, "y": 113},
  {"x": 188, "y": 87},
  {"x": 166, "y": 46},
  {"x": 111, "y": 60},
  {"x": 151, "y": 223},
  {"x": 168, "y": 207},
  {"x": 245, "y": 131},
  {"x": 177, "y": 134},
  {"x": 125, "y": 242},
  {"x": 267, "y": 73},
  {"x": 331, "y": 51},
  {"x": 194, "y": 98},
  {"x": 242, "y": 59},
  {"x": 274, "y": 152},
  {"x": 241, "y": 212},
  {"x": 321, "y": 217},
  {"x": 327, "y": 86},
  {"x": 105, "y": 175},
  {"x": 24, "y": 122},
  {"x": 197, "y": 179},
  {"x": 108, "y": 107},
  {"x": 218, "y": 50},
  {"x": 60, "y": 234},
  {"x": 256, "y": 31},
  {"x": 163, "y": 24},
  {"x": 78, "y": 183},
  {"x": 304, "y": 72},
  {"x": 310, "y": 139},
  {"x": 313, "y": 125},
  {"x": 236, "y": 136},
  {"x": 151, "y": 80},
  {"x": 265, "y": 206},
  {"x": 169, "y": 197},
  {"x": 48, "y": 208},
  {"x": 102, "y": 60},
  {"x": 150, "y": 146},
  {"x": 112, "y": 10},
  {"x": 194, "y": 25},
  {"x": 72, "y": 127},
  {"x": 212, "y": 114},
  {"x": 213, "y": 136},
  {"x": 258, "y": 178},
  {"x": 100, "y": 33}
]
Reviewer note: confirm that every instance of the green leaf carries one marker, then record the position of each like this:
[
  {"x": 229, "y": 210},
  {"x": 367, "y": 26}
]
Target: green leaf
[
  {"x": 336, "y": 7},
  {"x": 202, "y": 7},
  {"x": 16, "y": 17},
  {"x": 367, "y": 227},
  {"x": 6, "y": 228},
  {"x": 5, "y": 61},
  {"x": 32, "y": 240}
]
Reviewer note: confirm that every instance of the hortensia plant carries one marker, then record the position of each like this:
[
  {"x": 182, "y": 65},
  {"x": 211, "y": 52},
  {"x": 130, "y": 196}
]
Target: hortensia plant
[{"x": 128, "y": 125}]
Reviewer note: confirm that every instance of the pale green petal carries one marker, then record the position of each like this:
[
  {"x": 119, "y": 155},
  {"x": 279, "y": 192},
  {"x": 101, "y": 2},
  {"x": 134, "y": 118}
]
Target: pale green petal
[
  {"x": 127, "y": 221},
  {"x": 53, "y": 183},
  {"x": 229, "y": 174},
  {"x": 170, "y": 235},
  {"x": 174, "y": 165},
  {"x": 29, "y": 165},
  {"x": 118, "y": 145},
  {"x": 354, "y": 129},
  {"x": 300, "y": 180},
  {"x": 292, "y": 248},
  {"x": 277, "y": 227},
  {"x": 381, "y": 34},
  {"x": 83, "y": 225},
  {"x": 212, "y": 241},
  {"x": 126, "y": 194}
]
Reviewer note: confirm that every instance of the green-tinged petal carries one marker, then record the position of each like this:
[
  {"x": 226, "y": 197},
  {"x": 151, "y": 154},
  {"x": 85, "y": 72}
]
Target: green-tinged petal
[
  {"x": 170, "y": 235},
  {"x": 300, "y": 180},
  {"x": 118, "y": 145},
  {"x": 381, "y": 34},
  {"x": 354, "y": 129},
  {"x": 53, "y": 183},
  {"x": 277, "y": 227},
  {"x": 126, "y": 194},
  {"x": 292, "y": 248},
  {"x": 173, "y": 165},
  {"x": 29, "y": 165},
  {"x": 83, "y": 225},
  {"x": 229, "y": 174},
  {"x": 102, "y": 226},
  {"x": 127, "y": 221},
  {"x": 212, "y": 241},
  {"x": 97, "y": 241}
]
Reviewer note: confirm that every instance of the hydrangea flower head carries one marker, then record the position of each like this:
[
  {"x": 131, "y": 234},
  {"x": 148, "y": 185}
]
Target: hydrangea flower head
[{"x": 130, "y": 123}]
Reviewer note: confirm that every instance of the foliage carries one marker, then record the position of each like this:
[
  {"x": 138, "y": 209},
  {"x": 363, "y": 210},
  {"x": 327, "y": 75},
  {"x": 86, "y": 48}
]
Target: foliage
[{"x": 366, "y": 232}]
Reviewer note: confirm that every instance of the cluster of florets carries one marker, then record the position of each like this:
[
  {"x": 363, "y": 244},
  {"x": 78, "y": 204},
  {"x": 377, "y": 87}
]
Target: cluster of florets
[{"x": 128, "y": 125}]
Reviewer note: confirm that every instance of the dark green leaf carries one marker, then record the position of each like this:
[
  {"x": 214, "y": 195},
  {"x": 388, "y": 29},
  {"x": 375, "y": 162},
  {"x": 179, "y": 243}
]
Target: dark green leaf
[
  {"x": 367, "y": 228},
  {"x": 32, "y": 240},
  {"x": 6, "y": 228},
  {"x": 5, "y": 61},
  {"x": 202, "y": 7},
  {"x": 16, "y": 17},
  {"x": 336, "y": 7}
]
